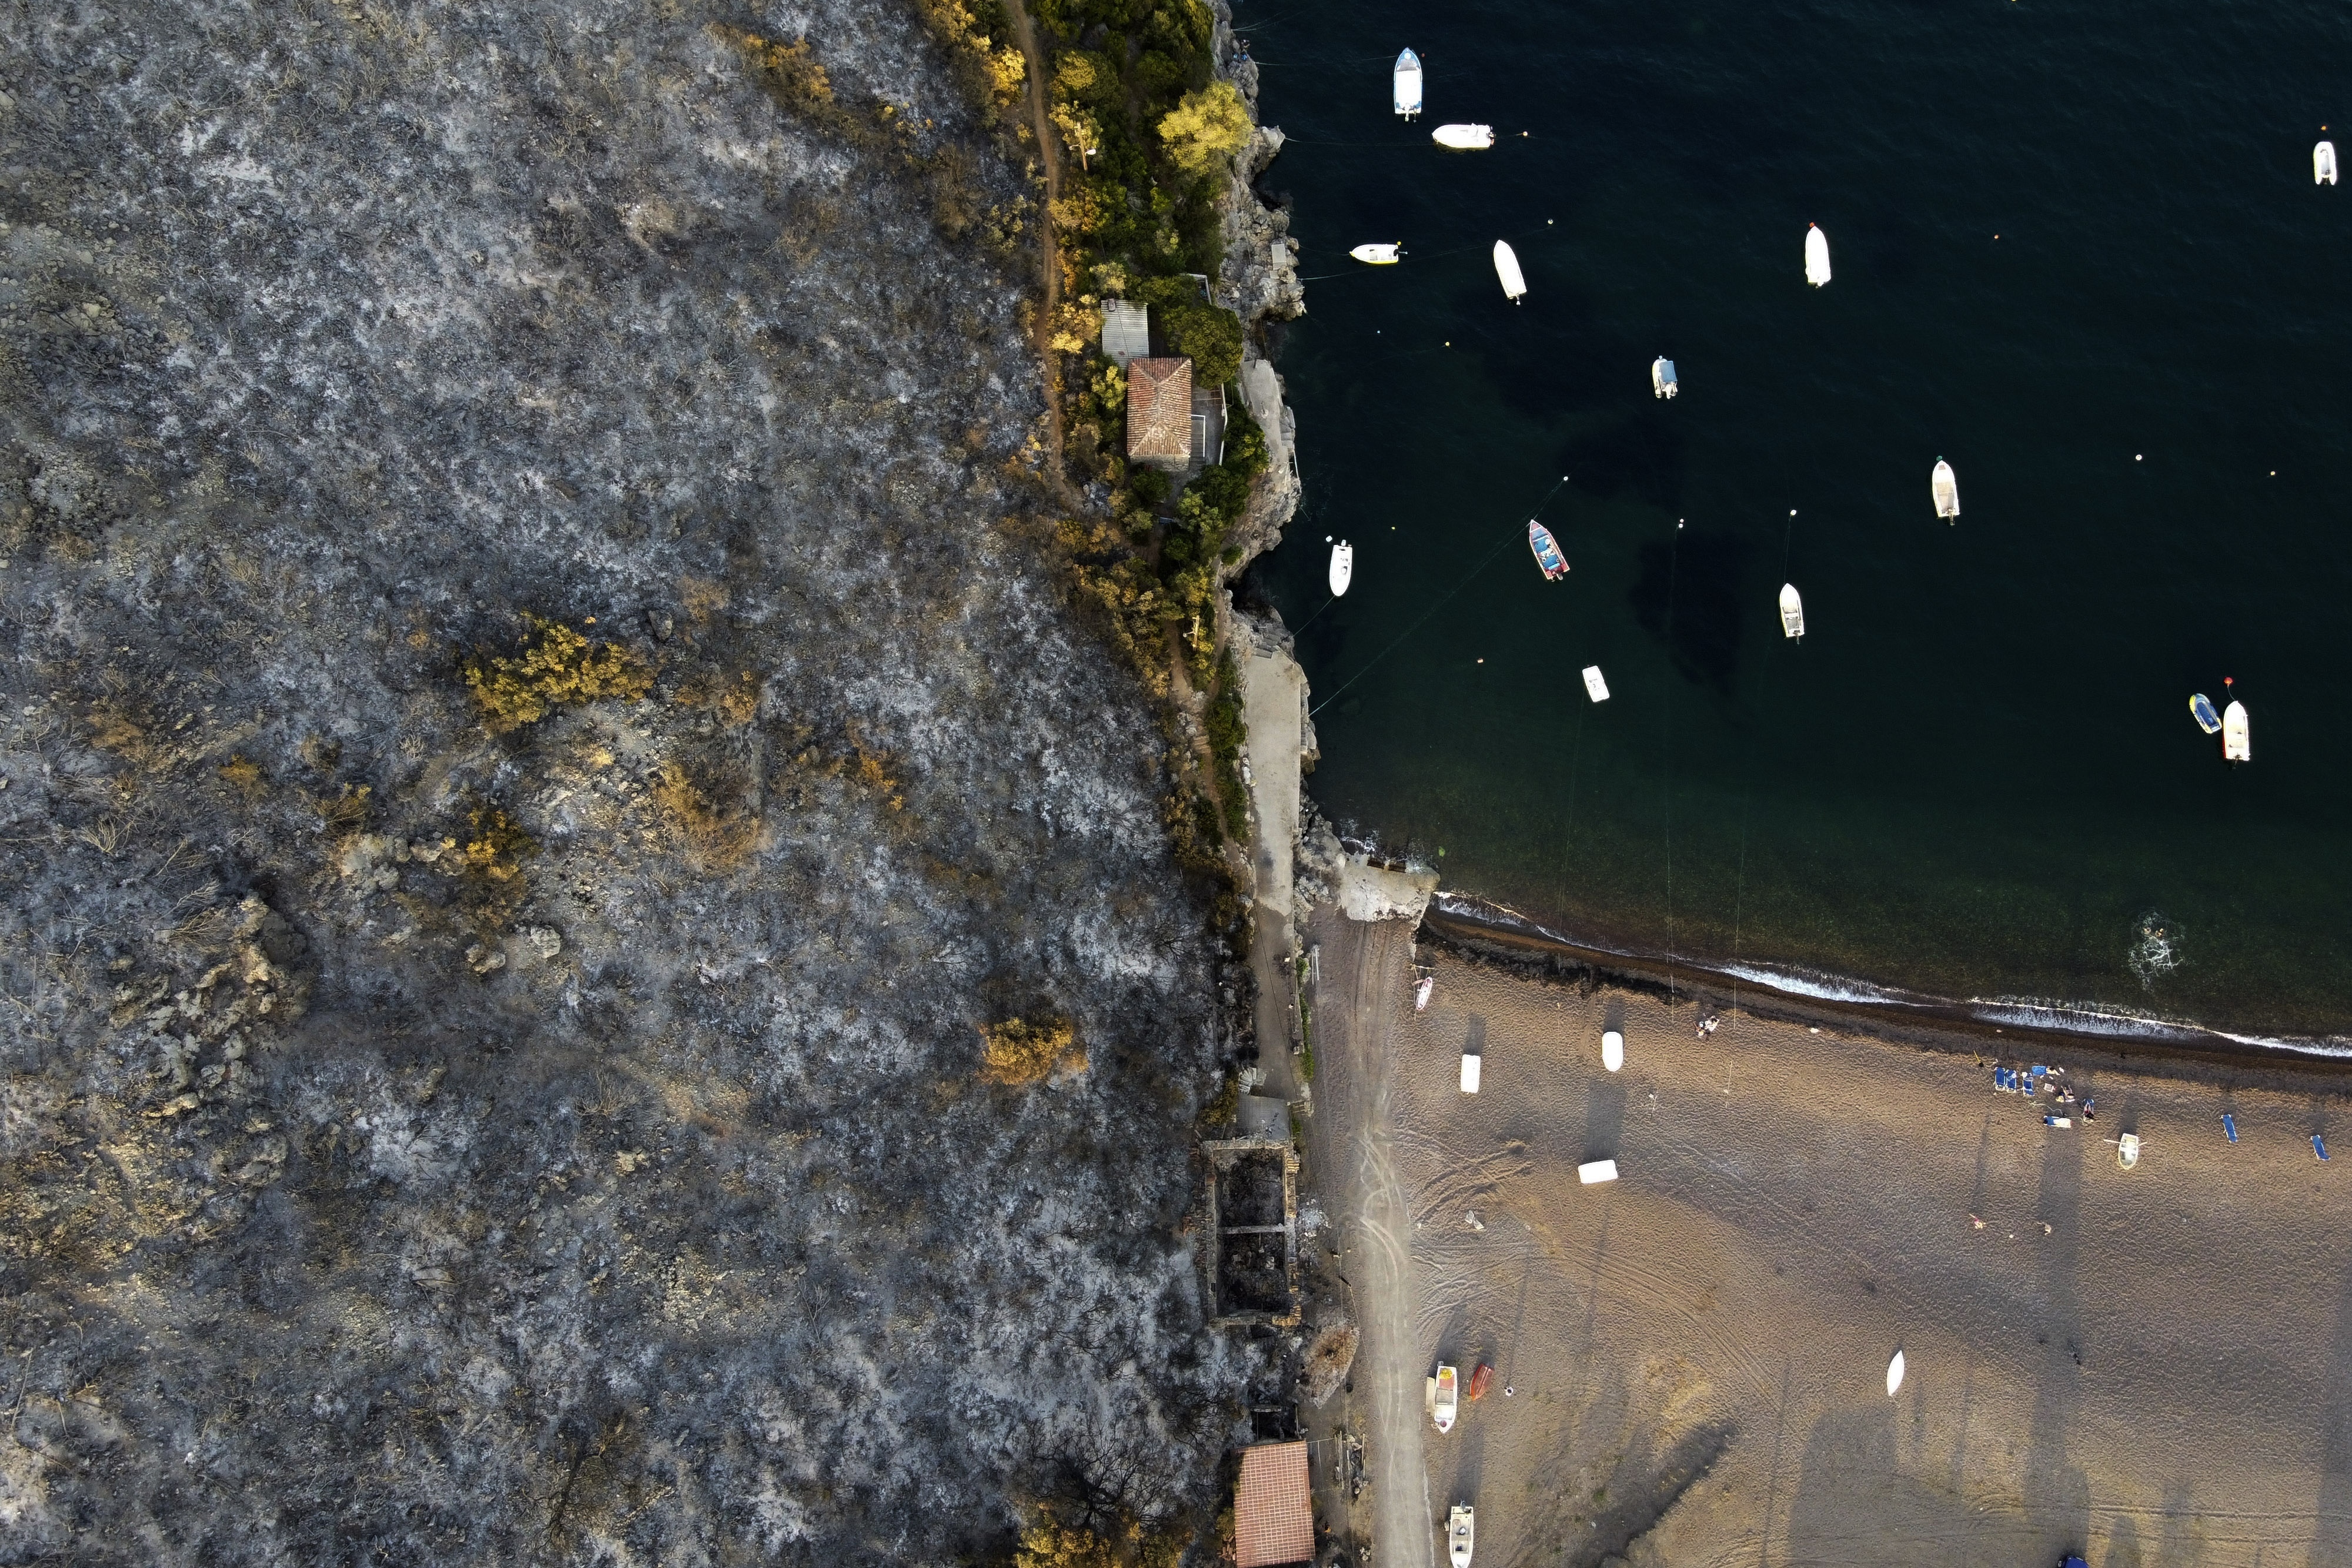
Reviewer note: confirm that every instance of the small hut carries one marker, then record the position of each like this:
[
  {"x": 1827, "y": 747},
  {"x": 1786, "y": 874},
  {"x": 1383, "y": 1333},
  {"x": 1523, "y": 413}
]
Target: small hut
[
  {"x": 1273, "y": 1508},
  {"x": 1160, "y": 413}
]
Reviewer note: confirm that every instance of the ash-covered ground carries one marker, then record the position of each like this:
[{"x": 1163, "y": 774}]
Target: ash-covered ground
[{"x": 420, "y": 1143}]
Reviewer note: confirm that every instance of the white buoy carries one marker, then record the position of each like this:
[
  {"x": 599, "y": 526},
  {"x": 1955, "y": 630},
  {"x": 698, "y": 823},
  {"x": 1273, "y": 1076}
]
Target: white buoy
[
  {"x": 1817, "y": 255},
  {"x": 1612, "y": 1051},
  {"x": 1343, "y": 567},
  {"x": 1506, "y": 268},
  {"x": 2322, "y": 163},
  {"x": 1895, "y": 1375},
  {"x": 1945, "y": 484}
]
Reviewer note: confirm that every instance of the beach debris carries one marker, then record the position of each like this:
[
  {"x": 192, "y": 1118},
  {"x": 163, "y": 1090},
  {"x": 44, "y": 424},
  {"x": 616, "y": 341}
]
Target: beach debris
[
  {"x": 1894, "y": 1370},
  {"x": 1592, "y": 1171},
  {"x": 1594, "y": 687},
  {"x": 1975, "y": 1223},
  {"x": 1612, "y": 1051},
  {"x": 1817, "y": 255},
  {"x": 1328, "y": 1358},
  {"x": 1470, "y": 1219},
  {"x": 1506, "y": 268}
]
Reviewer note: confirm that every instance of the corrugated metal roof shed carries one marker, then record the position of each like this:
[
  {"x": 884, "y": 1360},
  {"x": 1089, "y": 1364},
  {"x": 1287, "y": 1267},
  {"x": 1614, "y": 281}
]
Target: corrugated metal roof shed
[
  {"x": 1273, "y": 1511},
  {"x": 1160, "y": 411}
]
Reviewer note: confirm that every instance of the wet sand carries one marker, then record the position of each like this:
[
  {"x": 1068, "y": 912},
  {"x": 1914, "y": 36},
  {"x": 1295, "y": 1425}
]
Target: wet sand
[{"x": 1697, "y": 1352}]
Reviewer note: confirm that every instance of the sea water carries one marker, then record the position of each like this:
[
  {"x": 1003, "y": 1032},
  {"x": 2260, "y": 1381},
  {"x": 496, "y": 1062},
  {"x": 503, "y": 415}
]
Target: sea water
[{"x": 2078, "y": 253}]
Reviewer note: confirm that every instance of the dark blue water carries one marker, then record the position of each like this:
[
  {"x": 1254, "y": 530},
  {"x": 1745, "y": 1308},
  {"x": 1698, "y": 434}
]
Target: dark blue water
[{"x": 1977, "y": 775}]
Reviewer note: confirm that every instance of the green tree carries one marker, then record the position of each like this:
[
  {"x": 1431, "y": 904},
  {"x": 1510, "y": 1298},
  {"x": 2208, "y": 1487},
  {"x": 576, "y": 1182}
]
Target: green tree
[{"x": 1209, "y": 127}]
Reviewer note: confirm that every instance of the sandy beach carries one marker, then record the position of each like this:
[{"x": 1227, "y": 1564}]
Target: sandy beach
[{"x": 2150, "y": 1366}]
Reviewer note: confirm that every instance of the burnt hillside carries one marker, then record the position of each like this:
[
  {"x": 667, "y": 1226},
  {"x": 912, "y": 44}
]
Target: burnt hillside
[{"x": 537, "y": 734}]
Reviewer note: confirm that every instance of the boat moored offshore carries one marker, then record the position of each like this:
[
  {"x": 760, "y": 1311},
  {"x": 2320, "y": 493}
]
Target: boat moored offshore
[
  {"x": 1661, "y": 377},
  {"x": 1460, "y": 1528},
  {"x": 2322, "y": 163},
  {"x": 1378, "y": 255},
  {"x": 1463, "y": 137},
  {"x": 1407, "y": 84},
  {"x": 1547, "y": 550},
  {"x": 1598, "y": 690},
  {"x": 1792, "y": 613},
  {"x": 2237, "y": 743},
  {"x": 1506, "y": 268},
  {"x": 1946, "y": 485},
  {"x": 1817, "y": 255},
  {"x": 1343, "y": 567},
  {"x": 2200, "y": 708}
]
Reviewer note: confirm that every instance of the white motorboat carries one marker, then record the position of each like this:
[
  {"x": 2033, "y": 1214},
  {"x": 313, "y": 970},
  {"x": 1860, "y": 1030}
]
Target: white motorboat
[
  {"x": 1463, "y": 137},
  {"x": 1817, "y": 255},
  {"x": 1792, "y": 613},
  {"x": 2237, "y": 745},
  {"x": 1448, "y": 1394},
  {"x": 1461, "y": 1526},
  {"x": 2322, "y": 163},
  {"x": 1506, "y": 268},
  {"x": 1594, "y": 687},
  {"x": 1407, "y": 84},
  {"x": 1895, "y": 1375},
  {"x": 1378, "y": 255},
  {"x": 1343, "y": 567},
  {"x": 1947, "y": 487},
  {"x": 1661, "y": 377},
  {"x": 1612, "y": 1050}
]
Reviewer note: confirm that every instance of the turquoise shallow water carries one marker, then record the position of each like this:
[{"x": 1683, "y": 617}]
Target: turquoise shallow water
[{"x": 1977, "y": 775}]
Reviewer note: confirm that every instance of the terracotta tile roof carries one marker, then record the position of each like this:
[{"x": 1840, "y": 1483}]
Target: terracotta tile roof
[
  {"x": 1159, "y": 410},
  {"x": 1273, "y": 1513}
]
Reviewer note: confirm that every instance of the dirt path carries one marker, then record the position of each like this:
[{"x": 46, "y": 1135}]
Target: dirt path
[
  {"x": 1353, "y": 1148},
  {"x": 1049, "y": 253}
]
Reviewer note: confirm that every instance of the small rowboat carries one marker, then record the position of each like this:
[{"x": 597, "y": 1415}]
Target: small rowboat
[
  {"x": 1506, "y": 268},
  {"x": 1481, "y": 1380},
  {"x": 1442, "y": 1409},
  {"x": 1378, "y": 255},
  {"x": 1946, "y": 487},
  {"x": 2237, "y": 745},
  {"x": 2322, "y": 163},
  {"x": 1594, "y": 687},
  {"x": 2128, "y": 1151},
  {"x": 1463, "y": 137},
  {"x": 2200, "y": 708},
  {"x": 1817, "y": 255},
  {"x": 1406, "y": 83},
  {"x": 1792, "y": 613},
  {"x": 1661, "y": 377},
  {"x": 1895, "y": 1375},
  {"x": 1343, "y": 567},
  {"x": 1612, "y": 1050},
  {"x": 1547, "y": 554}
]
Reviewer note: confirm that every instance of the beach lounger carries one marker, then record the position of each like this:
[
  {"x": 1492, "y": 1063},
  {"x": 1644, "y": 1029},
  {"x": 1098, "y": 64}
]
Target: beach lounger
[{"x": 2319, "y": 1146}]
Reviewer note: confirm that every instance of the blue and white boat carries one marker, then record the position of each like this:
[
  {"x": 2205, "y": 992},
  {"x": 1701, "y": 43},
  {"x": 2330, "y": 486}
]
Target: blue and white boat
[
  {"x": 1408, "y": 84},
  {"x": 2201, "y": 708},
  {"x": 1547, "y": 554}
]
